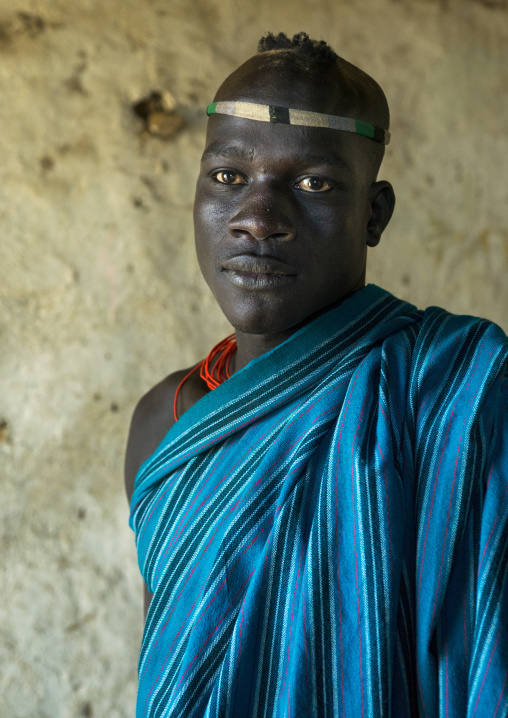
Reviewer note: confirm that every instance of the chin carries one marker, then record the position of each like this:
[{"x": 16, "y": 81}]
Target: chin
[
  {"x": 254, "y": 316},
  {"x": 277, "y": 311},
  {"x": 258, "y": 324}
]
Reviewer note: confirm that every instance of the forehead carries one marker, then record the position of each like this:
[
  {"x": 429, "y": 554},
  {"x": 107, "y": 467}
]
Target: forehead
[{"x": 252, "y": 140}]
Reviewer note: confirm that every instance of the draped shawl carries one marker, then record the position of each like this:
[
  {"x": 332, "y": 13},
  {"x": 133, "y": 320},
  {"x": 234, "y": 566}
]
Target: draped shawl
[{"x": 326, "y": 533}]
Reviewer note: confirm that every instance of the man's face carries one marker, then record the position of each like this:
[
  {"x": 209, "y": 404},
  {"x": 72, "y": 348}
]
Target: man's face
[{"x": 281, "y": 216}]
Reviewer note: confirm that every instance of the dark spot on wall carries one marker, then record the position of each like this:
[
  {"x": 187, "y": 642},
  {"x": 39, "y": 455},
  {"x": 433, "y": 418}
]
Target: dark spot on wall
[
  {"x": 493, "y": 4},
  {"x": 151, "y": 103},
  {"x": 150, "y": 185},
  {"x": 74, "y": 83},
  {"x": 108, "y": 356},
  {"x": 5, "y": 433},
  {"x": 80, "y": 623},
  {"x": 32, "y": 25},
  {"x": 23, "y": 24},
  {"x": 87, "y": 710},
  {"x": 139, "y": 204},
  {"x": 64, "y": 149},
  {"x": 82, "y": 146},
  {"x": 445, "y": 4},
  {"x": 47, "y": 163},
  {"x": 5, "y": 34},
  {"x": 158, "y": 113},
  {"x": 97, "y": 396},
  {"x": 405, "y": 279},
  {"x": 81, "y": 513},
  {"x": 114, "y": 408},
  {"x": 129, "y": 269}
]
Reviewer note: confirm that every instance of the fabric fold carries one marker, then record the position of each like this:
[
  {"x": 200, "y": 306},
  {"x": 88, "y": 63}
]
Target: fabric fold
[{"x": 326, "y": 533}]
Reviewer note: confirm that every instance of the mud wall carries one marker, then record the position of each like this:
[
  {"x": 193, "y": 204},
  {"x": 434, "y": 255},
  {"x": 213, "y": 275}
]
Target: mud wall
[{"x": 101, "y": 296}]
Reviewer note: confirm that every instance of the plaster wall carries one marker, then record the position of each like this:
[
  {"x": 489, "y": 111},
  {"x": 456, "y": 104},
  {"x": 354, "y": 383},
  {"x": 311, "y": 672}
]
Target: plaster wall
[{"x": 101, "y": 297}]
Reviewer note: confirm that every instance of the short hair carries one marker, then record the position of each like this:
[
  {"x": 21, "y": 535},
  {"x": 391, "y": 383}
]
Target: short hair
[{"x": 307, "y": 50}]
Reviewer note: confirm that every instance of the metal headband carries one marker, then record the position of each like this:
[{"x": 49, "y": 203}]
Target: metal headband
[{"x": 290, "y": 116}]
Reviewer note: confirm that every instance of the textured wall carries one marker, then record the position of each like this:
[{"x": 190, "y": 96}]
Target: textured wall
[{"x": 101, "y": 297}]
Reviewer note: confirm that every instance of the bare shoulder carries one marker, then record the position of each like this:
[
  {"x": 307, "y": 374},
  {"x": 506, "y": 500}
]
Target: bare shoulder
[
  {"x": 151, "y": 420},
  {"x": 154, "y": 416}
]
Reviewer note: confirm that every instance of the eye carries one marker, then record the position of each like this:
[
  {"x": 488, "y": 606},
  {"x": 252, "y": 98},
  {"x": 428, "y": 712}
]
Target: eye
[
  {"x": 313, "y": 184},
  {"x": 228, "y": 177}
]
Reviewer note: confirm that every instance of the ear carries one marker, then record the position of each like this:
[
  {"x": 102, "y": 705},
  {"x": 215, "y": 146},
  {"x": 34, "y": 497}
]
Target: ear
[{"x": 382, "y": 202}]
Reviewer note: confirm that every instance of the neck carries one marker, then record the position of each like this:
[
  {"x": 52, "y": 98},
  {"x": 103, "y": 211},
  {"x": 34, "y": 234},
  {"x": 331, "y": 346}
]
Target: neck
[{"x": 251, "y": 346}]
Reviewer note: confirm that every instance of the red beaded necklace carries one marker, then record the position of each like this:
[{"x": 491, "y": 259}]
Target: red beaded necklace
[{"x": 214, "y": 369}]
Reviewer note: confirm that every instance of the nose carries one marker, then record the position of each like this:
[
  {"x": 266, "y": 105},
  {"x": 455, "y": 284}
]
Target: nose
[{"x": 263, "y": 214}]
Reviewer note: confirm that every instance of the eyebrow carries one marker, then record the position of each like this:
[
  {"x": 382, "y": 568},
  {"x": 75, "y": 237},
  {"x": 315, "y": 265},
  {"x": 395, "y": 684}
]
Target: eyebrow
[
  {"x": 243, "y": 153},
  {"x": 229, "y": 152}
]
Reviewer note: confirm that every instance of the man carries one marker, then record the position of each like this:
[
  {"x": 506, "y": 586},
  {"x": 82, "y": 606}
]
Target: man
[{"x": 324, "y": 533}]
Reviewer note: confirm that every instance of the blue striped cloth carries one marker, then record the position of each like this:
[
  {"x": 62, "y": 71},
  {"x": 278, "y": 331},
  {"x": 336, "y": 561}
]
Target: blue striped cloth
[{"x": 326, "y": 534}]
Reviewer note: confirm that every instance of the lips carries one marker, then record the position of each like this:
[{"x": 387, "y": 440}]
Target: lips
[{"x": 256, "y": 272}]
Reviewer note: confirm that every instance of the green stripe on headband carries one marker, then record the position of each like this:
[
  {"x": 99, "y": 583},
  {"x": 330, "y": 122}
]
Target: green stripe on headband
[{"x": 304, "y": 118}]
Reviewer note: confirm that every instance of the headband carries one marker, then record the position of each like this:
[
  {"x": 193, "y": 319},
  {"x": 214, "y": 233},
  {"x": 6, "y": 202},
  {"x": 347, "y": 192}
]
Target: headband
[{"x": 290, "y": 116}]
